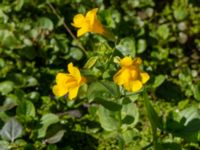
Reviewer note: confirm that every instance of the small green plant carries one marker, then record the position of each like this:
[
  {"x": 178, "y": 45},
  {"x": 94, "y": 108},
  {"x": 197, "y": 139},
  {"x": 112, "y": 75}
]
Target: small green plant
[{"x": 132, "y": 79}]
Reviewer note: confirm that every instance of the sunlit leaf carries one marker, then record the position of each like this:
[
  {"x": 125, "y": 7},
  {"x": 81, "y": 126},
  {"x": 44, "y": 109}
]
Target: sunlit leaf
[
  {"x": 127, "y": 46},
  {"x": 91, "y": 61},
  {"x": 46, "y": 121},
  {"x": 10, "y": 102},
  {"x": 107, "y": 119},
  {"x": 196, "y": 91},
  {"x": 11, "y": 130},
  {"x": 158, "y": 80},
  {"x": 4, "y": 145},
  {"x": 55, "y": 138},
  {"x": 45, "y": 23},
  {"x": 6, "y": 87},
  {"x": 26, "y": 108},
  {"x": 129, "y": 115}
]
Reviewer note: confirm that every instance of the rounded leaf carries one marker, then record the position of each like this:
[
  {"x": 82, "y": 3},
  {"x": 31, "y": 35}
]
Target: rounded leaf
[{"x": 11, "y": 130}]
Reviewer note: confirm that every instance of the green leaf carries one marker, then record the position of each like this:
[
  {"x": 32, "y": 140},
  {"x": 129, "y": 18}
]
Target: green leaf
[
  {"x": 155, "y": 120},
  {"x": 29, "y": 52},
  {"x": 9, "y": 103},
  {"x": 110, "y": 105},
  {"x": 169, "y": 146},
  {"x": 34, "y": 96},
  {"x": 46, "y": 121},
  {"x": 23, "y": 80},
  {"x": 196, "y": 91},
  {"x": 141, "y": 46},
  {"x": 45, "y": 23},
  {"x": 163, "y": 31},
  {"x": 11, "y": 130},
  {"x": 55, "y": 138},
  {"x": 128, "y": 135},
  {"x": 52, "y": 147},
  {"x": 4, "y": 18},
  {"x": 102, "y": 89},
  {"x": 6, "y": 87},
  {"x": 91, "y": 61},
  {"x": 127, "y": 46},
  {"x": 4, "y": 145},
  {"x": 111, "y": 87},
  {"x": 129, "y": 115},
  {"x": 76, "y": 53},
  {"x": 8, "y": 39},
  {"x": 187, "y": 125},
  {"x": 180, "y": 13},
  {"x": 26, "y": 108},
  {"x": 158, "y": 80},
  {"x": 190, "y": 113},
  {"x": 19, "y": 4},
  {"x": 31, "y": 81},
  {"x": 107, "y": 119}
]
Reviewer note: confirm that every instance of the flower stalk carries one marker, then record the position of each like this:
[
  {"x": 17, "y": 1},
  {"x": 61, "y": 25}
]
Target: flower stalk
[{"x": 151, "y": 114}]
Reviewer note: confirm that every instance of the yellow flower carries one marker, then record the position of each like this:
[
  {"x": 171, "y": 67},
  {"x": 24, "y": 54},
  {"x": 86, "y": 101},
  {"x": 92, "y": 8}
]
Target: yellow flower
[
  {"x": 130, "y": 76},
  {"x": 68, "y": 82},
  {"x": 88, "y": 23}
]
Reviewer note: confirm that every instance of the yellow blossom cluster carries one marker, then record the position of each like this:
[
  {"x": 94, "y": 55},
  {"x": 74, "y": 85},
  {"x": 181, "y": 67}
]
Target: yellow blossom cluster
[{"x": 129, "y": 76}]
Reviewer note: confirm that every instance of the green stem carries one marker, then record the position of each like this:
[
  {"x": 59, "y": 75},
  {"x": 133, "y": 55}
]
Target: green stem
[
  {"x": 121, "y": 143},
  {"x": 155, "y": 138},
  {"x": 120, "y": 137},
  {"x": 150, "y": 117}
]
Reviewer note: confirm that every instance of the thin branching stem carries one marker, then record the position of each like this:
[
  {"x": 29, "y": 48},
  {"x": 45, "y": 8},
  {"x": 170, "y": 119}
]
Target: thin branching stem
[{"x": 67, "y": 28}]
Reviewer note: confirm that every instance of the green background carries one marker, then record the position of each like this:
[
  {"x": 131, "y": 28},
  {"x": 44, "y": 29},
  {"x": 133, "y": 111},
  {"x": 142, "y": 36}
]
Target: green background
[{"x": 34, "y": 46}]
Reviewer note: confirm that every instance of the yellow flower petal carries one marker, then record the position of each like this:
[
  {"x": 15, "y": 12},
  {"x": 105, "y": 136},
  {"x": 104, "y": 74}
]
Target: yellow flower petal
[
  {"x": 144, "y": 77},
  {"x": 78, "y": 20},
  {"x": 136, "y": 85},
  {"x": 134, "y": 73},
  {"x": 137, "y": 60},
  {"x": 122, "y": 76},
  {"x": 127, "y": 86},
  {"x": 82, "y": 31},
  {"x": 126, "y": 61},
  {"x": 71, "y": 84},
  {"x": 62, "y": 78},
  {"x": 98, "y": 27},
  {"x": 91, "y": 15},
  {"x": 73, "y": 92},
  {"x": 59, "y": 90},
  {"x": 74, "y": 71}
]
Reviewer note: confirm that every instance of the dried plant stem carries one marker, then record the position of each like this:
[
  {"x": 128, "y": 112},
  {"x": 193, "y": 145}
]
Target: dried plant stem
[{"x": 67, "y": 28}]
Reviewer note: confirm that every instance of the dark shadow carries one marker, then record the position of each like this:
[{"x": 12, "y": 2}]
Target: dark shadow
[
  {"x": 169, "y": 91},
  {"x": 160, "y": 5},
  {"x": 108, "y": 104},
  {"x": 169, "y": 146},
  {"x": 128, "y": 120},
  {"x": 1, "y": 123},
  {"x": 195, "y": 2},
  {"x": 79, "y": 141}
]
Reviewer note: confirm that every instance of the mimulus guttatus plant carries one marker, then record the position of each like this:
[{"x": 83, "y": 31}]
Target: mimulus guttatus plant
[
  {"x": 68, "y": 83},
  {"x": 130, "y": 76},
  {"x": 88, "y": 23}
]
